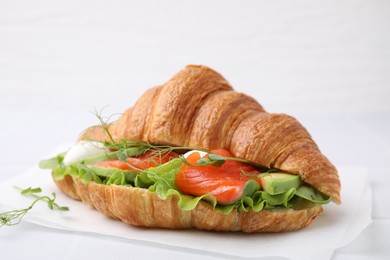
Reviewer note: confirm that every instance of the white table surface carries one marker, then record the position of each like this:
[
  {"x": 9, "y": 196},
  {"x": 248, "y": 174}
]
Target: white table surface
[{"x": 327, "y": 64}]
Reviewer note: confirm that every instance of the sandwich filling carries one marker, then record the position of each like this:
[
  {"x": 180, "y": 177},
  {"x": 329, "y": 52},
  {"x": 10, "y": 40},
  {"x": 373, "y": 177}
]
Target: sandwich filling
[{"x": 216, "y": 177}]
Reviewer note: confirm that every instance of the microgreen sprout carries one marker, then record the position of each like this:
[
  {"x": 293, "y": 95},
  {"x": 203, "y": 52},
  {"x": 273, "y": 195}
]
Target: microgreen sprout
[{"x": 13, "y": 217}]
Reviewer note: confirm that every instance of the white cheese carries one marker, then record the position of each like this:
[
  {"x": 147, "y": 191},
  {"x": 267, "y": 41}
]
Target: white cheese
[
  {"x": 83, "y": 150},
  {"x": 192, "y": 151}
]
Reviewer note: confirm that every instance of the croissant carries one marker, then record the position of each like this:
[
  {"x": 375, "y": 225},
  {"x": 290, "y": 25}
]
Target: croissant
[{"x": 198, "y": 108}]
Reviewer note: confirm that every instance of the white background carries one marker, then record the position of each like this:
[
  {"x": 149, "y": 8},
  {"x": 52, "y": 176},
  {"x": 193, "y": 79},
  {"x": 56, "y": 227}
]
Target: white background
[{"x": 325, "y": 62}]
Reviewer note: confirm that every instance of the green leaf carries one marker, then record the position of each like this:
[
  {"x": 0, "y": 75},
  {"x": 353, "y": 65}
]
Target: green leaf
[
  {"x": 246, "y": 203},
  {"x": 251, "y": 187},
  {"x": 97, "y": 179},
  {"x": 85, "y": 174},
  {"x": 36, "y": 190},
  {"x": 216, "y": 157},
  {"x": 164, "y": 177},
  {"x": 130, "y": 176},
  {"x": 218, "y": 163},
  {"x": 312, "y": 195},
  {"x": 258, "y": 206},
  {"x": 188, "y": 202},
  {"x": 203, "y": 161},
  {"x": 174, "y": 164},
  {"x": 213, "y": 159},
  {"x": 30, "y": 190},
  {"x": 279, "y": 199},
  {"x": 52, "y": 163},
  {"x": 142, "y": 180},
  {"x": 117, "y": 178},
  {"x": 59, "y": 173},
  {"x": 26, "y": 191},
  {"x": 121, "y": 155}
]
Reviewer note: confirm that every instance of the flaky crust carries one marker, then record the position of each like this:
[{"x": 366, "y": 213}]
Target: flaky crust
[
  {"x": 199, "y": 108},
  {"x": 140, "y": 207}
]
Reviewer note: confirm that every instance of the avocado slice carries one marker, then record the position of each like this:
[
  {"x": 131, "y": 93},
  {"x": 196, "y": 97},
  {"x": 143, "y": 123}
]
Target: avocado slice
[{"x": 276, "y": 183}]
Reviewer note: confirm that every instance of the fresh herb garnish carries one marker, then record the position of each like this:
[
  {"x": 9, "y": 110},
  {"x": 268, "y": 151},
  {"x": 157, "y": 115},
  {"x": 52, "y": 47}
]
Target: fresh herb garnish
[
  {"x": 13, "y": 217},
  {"x": 215, "y": 160},
  {"x": 104, "y": 122}
]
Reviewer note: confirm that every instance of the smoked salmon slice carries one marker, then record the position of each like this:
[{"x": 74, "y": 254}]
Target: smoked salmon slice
[
  {"x": 226, "y": 183},
  {"x": 145, "y": 161}
]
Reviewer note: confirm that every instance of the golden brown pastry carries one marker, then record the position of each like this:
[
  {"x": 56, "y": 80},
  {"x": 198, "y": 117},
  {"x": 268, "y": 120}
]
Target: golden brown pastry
[
  {"x": 140, "y": 207},
  {"x": 198, "y": 108}
]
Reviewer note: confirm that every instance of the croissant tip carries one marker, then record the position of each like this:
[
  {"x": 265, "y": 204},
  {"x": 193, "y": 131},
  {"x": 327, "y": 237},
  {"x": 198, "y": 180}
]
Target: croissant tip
[
  {"x": 196, "y": 66},
  {"x": 336, "y": 200}
]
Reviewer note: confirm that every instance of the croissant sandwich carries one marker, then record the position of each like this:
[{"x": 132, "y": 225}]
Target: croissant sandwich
[{"x": 193, "y": 153}]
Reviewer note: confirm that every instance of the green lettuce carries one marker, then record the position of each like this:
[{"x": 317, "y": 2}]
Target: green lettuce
[{"x": 161, "y": 180}]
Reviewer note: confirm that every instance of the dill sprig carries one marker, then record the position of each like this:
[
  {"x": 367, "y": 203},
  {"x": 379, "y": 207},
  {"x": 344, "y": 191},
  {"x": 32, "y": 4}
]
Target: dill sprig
[
  {"x": 104, "y": 122},
  {"x": 13, "y": 217}
]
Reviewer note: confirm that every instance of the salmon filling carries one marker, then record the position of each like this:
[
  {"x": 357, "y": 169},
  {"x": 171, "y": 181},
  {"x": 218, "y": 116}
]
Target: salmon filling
[{"x": 226, "y": 183}]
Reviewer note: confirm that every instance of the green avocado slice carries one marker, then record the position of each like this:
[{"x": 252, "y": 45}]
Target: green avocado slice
[{"x": 277, "y": 183}]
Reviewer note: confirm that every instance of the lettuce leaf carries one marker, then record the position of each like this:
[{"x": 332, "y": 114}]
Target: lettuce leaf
[
  {"x": 311, "y": 194},
  {"x": 161, "y": 180},
  {"x": 52, "y": 163}
]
